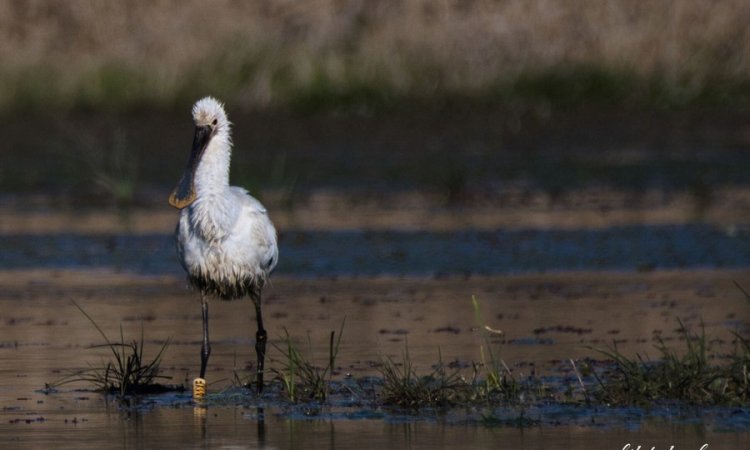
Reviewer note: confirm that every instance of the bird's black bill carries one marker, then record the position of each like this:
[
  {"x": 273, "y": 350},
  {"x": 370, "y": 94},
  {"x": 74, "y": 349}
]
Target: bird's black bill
[{"x": 184, "y": 194}]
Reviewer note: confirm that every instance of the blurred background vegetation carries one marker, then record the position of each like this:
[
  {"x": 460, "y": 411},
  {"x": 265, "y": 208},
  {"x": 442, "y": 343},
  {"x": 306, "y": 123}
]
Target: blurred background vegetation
[
  {"x": 449, "y": 94},
  {"x": 359, "y": 55}
]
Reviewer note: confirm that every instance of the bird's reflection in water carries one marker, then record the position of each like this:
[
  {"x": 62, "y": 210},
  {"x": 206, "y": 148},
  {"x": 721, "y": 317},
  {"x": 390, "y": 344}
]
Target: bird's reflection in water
[
  {"x": 200, "y": 413},
  {"x": 261, "y": 427}
]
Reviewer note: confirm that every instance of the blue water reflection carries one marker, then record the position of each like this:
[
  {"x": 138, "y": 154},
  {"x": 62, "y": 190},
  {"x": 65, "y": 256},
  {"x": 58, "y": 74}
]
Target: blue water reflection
[{"x": 332, "y": 253}]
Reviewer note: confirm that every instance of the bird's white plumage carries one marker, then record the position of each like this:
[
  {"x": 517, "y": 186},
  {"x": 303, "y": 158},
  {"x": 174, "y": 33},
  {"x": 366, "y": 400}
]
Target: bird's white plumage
[{"x": 225, "y": 239}]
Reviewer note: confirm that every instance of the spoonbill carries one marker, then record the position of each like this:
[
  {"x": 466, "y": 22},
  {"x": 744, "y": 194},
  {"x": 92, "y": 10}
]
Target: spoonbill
[{"x": 225, "y": 239}]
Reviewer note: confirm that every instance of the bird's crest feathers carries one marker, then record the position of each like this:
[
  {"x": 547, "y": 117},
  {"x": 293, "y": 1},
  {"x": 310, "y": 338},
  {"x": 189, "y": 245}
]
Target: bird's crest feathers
[{"x": 209, "y": 111}]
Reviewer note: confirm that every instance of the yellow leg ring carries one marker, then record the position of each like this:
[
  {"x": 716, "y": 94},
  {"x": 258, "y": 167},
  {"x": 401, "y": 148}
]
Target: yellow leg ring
[{"x": 199, "y": 388}]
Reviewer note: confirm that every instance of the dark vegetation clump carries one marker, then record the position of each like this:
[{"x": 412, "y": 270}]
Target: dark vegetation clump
[
  {"x": 691, "y": 376},
  {"x": 127, "y": 373},
  {"x": 300, "y": 377},
  {"x": 403, "y": 387},
  {"x": 696, "y": 376}
]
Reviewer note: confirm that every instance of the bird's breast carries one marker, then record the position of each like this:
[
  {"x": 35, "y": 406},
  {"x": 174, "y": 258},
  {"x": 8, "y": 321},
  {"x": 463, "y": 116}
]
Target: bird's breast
[{"x": 228, "y": 253}]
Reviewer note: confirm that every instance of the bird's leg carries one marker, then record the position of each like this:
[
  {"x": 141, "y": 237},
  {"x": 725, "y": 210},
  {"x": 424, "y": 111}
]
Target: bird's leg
[
  {"x": 260, "y": 343},
  {"x": 206, "y": 346},
  {"x": 199, "y": 384}
]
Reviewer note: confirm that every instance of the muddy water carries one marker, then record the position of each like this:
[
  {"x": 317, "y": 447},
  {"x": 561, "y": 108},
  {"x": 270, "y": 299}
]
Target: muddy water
[
  {"x": 556, "y": 264},
  {"x": 234, "y": 428},
  {"x": 546, "y": 319},
  {"x": 555, "y": 281}
]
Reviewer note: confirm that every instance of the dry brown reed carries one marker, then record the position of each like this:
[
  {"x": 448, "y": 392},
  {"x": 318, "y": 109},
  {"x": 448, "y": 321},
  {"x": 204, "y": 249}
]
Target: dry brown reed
[{"x": 260, "y": 53}]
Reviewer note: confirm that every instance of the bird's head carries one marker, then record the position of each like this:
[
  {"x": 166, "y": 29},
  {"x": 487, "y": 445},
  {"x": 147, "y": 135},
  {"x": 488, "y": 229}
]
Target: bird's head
[
  {"x": 210, "y": 120},
  {"x": 209, "y": 112}
]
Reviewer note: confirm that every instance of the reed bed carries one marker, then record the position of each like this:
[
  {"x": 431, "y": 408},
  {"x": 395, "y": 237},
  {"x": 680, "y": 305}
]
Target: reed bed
[{"x": 365, "y": 55}]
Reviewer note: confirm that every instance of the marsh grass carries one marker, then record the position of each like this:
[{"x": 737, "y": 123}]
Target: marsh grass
[
  {"x": 404, "y": 388},
  {"x": 128, "y": 372},
  {"x": 695, "y": 374},
  {"x": 301, "y": 378},
  {"x": 442, "y": 387},
  {"x": 692, "y": 375},
  {"x": 493, "y": 378},
  {"x": 491, "y": 381}
]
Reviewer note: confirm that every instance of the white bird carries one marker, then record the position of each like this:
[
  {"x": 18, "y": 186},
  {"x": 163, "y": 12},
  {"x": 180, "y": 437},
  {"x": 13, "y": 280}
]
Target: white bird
[{"x": 225, "y": 240}]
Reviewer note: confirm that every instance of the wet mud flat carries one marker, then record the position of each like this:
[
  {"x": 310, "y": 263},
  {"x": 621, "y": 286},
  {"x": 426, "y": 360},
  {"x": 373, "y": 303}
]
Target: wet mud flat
[
  {"x": 570, "y": 235},
  {"x": 560, "y": 277},
  {"x": 547, "y": 319}
]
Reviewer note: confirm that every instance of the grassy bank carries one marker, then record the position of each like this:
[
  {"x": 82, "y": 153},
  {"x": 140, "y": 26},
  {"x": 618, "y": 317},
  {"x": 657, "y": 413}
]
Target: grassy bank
[{"x": 365, "y": 56}]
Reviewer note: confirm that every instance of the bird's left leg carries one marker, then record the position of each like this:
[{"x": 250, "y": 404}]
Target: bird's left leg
[
  {"x": 260, "y": 342},
  {"x": 199, "y": 384}
]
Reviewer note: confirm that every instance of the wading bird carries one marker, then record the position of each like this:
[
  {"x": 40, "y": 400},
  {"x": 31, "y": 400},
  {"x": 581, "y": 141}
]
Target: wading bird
[{"x": 225, "y": 240}]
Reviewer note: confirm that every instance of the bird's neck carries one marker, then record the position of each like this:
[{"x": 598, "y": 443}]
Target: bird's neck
[
  {"x": 212, "y": 174},
  {"x": 214, "y": 209}
]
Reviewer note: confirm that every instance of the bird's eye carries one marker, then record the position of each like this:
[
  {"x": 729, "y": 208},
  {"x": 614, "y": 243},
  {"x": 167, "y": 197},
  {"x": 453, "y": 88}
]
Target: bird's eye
[{"x": 214, "y": 122}]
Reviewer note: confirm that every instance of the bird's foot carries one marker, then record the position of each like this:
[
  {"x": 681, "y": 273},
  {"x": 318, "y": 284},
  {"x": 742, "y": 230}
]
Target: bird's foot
[{"x": 199, "y": 388}]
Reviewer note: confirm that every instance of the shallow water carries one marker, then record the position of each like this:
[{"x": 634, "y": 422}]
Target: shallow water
[
  {"x": 555, "y": 293},
  {"x": 45, "y": 336},
  {"x": 89, "y": 427},
  {"x": 411, "y": 253},
  {"x": 571, "y": 236},
  {"x": 98, "y": 425}
]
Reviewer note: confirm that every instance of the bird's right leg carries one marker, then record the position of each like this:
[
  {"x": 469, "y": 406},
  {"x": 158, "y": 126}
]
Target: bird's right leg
[
  {"x": 199, "y": 384},
  {"x": 260, "y": 343}
]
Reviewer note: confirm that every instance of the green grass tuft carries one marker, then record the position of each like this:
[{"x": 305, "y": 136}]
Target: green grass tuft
[
  {"x": 301, "y": 378},
  {"x": 127, "y": 373},
  {"x": 690, "y": 376},
  {"x": 404, "y": 388}
]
